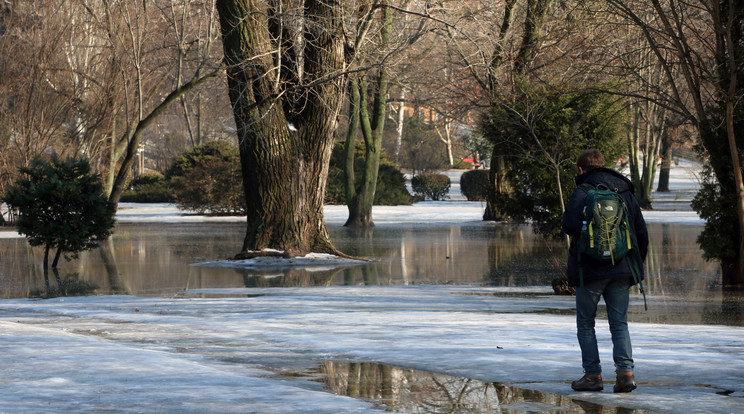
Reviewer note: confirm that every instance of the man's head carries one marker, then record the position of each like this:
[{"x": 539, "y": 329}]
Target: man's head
[{"x": 590, "y": 159}]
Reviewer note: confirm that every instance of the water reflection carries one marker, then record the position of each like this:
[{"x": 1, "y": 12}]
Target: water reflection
[
  {"x": 408, "y": 390},
  {"x": 67, "y": 285},
  {"x": 155, "y": 259}
]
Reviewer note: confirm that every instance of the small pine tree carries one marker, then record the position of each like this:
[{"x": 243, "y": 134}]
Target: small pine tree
[{"x": 62, "y": 205}]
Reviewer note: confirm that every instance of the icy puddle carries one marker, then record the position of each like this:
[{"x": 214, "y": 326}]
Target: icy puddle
[{"x": 413, "y": 391}]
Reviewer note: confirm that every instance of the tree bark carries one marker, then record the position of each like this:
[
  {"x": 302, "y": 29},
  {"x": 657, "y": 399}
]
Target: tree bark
[
  {"x": 57, "y": 255},
  {"x": 496, "y": 181},
  {"x": 666, "y": 164},
  {"x": 733, "y": 37},
  {"x": 284, "y": 165},
  {"x": 497, "y": 188},
  {"x": 46, "y": 258},
  {"x": 361, "y": 200},
  {"x": 536, "y": 11}
]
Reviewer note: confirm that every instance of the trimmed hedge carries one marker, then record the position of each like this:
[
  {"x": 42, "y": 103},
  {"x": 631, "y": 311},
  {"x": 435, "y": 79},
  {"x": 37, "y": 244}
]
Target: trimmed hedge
[
  {"x": 431, "y": 185},
  {"x": 474, "y": 185}
]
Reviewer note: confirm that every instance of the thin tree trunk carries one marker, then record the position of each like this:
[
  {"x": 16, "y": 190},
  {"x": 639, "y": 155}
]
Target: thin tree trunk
[
  {"x": 739, "y": 191},
  {"x": 399, "y": 129},
  {"x": 535, "y": 15},
  {"x": 46, "y": 258},
  {"x": 373, "y": 125},
  {"x": 666, "y": 164},
  {"x": 56, "y": 258},
  {"x": 350, "y": 148},
  {"x": 731, "y": 97},
  {"x": 122, "y": 175}
]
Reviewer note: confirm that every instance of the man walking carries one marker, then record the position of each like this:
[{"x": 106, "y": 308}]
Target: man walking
[{"x": 608, "y": 279}]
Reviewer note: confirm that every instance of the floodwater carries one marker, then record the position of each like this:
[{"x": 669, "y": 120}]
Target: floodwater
[
  {"x": 157, "y": 259},
  {"x": 413, "y": 391}
]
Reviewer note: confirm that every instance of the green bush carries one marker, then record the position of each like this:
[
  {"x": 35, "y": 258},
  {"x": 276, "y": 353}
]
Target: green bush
[
  {"x": 391, "y": 184},
  {"x": 62, "y": 205},
  {"x": 200, "y": 154},
  {"x": 207, "y": 179},
  {"x": 431, "y": 185},
  {"x": 147, "y": 178},
  {"x": 474, "y": 185},
  {"x": 149, "y": 188},
  {"x": 535, "y": 154}
]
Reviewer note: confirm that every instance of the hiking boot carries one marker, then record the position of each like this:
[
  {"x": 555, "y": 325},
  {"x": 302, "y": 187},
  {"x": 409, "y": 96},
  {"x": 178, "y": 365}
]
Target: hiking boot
[
  {"x": 589, "y": 382},
  {"x": 625, "y": 382}
]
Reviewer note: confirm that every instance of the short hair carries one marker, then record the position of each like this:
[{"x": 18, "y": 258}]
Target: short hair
[{"x": 590, "y": 159}]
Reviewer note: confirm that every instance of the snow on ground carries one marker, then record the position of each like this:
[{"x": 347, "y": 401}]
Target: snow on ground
[
  {"x": 201, "y": 354},
  {"x": 443, "y": 212},
  {"x": 219, "y": 350}
]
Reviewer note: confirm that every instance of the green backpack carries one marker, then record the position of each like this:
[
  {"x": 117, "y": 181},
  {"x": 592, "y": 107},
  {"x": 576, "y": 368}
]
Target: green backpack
[{"x": 605, "y": 235}]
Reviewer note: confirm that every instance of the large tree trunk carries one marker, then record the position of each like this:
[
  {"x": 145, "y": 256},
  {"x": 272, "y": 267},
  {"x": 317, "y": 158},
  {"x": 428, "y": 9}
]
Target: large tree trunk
[{"x": 286, "y": 121}]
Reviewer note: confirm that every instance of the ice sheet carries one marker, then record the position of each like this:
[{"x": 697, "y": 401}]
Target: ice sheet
[{"x": 178, "y": 354}]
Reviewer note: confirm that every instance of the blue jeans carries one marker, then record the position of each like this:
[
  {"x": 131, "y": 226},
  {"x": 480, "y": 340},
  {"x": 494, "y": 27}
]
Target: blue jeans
[{"x": 616, "y": 295}]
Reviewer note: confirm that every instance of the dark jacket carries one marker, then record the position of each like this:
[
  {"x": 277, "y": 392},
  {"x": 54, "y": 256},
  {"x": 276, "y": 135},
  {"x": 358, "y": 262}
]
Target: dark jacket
[{"x": 574, "y": 216}]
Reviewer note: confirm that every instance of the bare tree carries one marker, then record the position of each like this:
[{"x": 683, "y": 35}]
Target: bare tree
[
  {"x": 705, "y": 39},
  {"x": 374, "y": 69},
  {"x": 286, "y": 76},
  {"x": 93, "y": 75},
  {"x": 33, "y": 90},
  {"x": 130, "y": 32},
  {"x": 359, "y": 200},
  {"x": 539, "y": 43}
]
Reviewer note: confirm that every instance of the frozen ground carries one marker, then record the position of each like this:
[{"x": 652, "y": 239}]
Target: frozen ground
[
  {"x": 135, "y": 354},
  {"x": 224, "y": 350}
]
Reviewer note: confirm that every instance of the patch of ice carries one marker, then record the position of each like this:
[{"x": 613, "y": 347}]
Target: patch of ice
[{"x": 310, "y": 262}]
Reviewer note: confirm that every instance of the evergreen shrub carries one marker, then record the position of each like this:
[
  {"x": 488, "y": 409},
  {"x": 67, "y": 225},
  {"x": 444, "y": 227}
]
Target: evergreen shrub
[
  {"x": 61, "y": 204},
  {"x": 533, "y": 156},
  {"x": 431, "y": 185},
  {"x": 208, "y": 179},
  {"x": 474, "y": 185},
  {"x": 149, "y": 188}
]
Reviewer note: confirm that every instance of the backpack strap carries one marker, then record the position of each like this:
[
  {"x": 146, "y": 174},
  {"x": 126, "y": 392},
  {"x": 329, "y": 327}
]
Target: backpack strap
[{"x": 586, "y": 188}]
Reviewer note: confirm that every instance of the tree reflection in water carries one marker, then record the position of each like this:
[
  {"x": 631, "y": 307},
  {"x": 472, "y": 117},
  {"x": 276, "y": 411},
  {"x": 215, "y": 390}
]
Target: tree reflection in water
[
  {"x": 70, "y": 285},
  {"x": 408, "y": 390},
  {"x": 158, "y": 260}
]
